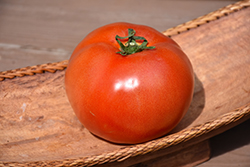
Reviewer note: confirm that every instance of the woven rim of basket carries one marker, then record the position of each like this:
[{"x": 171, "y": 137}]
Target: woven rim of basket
[
  {"x": 53, "y": 67},
  {"x": 151, "y": 146}
]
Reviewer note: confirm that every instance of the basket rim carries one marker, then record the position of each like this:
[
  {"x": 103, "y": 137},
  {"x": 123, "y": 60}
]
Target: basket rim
[
  {"x": 53, "y": 67},
  {"x": 126, "y": 152}
]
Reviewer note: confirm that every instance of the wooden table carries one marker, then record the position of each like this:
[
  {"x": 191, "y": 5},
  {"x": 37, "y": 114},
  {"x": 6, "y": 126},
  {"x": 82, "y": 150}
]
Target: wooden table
[{"x": 35, "y": 32}]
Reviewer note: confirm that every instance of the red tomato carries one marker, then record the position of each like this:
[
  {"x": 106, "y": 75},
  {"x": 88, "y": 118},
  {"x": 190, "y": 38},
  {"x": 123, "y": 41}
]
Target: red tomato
[{"x": 129, "y": 98}]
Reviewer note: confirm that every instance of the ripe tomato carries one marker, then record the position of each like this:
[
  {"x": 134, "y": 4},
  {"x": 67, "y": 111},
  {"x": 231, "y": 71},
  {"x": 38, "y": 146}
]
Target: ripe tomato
[{"x": 129, "y": 98}]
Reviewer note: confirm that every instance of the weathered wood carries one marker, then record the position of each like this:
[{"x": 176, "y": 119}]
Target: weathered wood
[
  {"x": 188, "y": 157},
  {"x": 35, "y": 32},
  {"x": 37, "y": 122},
  {"x": 219, "y": 52},
  {"x": 231, "y": 148}
]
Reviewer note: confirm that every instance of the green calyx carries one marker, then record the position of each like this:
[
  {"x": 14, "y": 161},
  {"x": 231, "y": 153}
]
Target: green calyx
[{"x": 131, "y": 45}]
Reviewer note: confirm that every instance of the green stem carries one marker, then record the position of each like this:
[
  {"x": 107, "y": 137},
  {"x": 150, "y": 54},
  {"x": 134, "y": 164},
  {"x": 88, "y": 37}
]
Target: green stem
[{"x": 131, "y": 46}]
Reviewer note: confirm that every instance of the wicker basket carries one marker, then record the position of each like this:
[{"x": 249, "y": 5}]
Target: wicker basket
[{"x": 39, "y": 128}]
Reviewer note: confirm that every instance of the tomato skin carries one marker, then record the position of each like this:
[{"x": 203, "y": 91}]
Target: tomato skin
[{"x": 131, "y": 99}]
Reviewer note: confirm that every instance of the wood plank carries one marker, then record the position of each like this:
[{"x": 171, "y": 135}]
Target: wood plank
[
  {"x": 41, "y": 114},
  {"x": 57, "y": 50},
  {"x": 214, "y": 49},
  {"x": 31, "y": 29},
  {"x": 186, "y": 157},
  {"x": 231, "y": 148}
]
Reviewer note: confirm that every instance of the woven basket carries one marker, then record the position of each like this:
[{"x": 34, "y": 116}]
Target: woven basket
[{"x": 39, "y": 128}]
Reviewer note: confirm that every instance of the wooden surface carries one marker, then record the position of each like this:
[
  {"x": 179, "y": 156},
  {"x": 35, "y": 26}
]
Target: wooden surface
[
  {"x": 188, "y": 157},
  {"x": 36, "y": 32}
]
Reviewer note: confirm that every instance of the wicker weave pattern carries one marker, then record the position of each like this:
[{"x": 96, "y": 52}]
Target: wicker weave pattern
[
  {"x": 53, "y": 67},
  {"x": 49, "y": 67},
  {"x": 148, "y": 147},
  {"x": 207, "y": 18},
  {"x": 165, "y": 142}
]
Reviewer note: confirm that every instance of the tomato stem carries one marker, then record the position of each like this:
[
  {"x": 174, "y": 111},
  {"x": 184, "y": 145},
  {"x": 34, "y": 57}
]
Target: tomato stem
[{"x": 132, "y": 46}]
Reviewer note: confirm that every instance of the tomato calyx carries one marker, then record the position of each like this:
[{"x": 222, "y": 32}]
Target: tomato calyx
[{"x": 131, "y": 46}]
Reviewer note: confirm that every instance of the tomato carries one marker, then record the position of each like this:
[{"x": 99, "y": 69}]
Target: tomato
[{"x": 129, "y": 97}]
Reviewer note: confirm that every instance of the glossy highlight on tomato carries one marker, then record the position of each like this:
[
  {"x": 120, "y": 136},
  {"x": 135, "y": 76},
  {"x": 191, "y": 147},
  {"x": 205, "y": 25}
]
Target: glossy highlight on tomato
[{"x": 129, "y": 98}]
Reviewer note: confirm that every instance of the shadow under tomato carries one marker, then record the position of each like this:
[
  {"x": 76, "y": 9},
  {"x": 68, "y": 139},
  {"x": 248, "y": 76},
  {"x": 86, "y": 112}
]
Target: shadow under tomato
[{"x": 195, "y": 109}]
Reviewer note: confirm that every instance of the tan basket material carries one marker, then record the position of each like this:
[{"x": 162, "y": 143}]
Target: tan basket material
[{"x": 233, "y": 117}]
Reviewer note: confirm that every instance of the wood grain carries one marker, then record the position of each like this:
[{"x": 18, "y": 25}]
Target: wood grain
[
  {"x": 40, "y": 124},
  {"x": 36, "y": 32},
  {"x": 35, "y": 114},
  {"x": 231, "y": 148},
  {"x": 219, "y": 53},
  {"x": 188, "y": 157}
]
